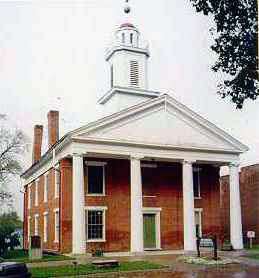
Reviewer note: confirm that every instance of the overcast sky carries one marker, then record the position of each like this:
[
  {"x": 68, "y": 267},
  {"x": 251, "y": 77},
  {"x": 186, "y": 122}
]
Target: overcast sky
[{"x": 52, "y": 57}]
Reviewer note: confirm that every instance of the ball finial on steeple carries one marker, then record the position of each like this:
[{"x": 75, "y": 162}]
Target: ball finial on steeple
[{"x": 127, "y": 7}]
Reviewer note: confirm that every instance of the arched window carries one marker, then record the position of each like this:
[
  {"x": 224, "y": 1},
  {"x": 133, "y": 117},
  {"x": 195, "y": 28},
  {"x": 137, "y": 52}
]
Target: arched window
[
  {"x": 131, "y": 38},
  {"x": 123, "y": 38}
]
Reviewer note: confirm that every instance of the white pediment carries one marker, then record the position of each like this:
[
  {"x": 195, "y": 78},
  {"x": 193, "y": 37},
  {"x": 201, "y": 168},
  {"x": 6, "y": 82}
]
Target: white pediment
[{"x": 164, "y": 123}]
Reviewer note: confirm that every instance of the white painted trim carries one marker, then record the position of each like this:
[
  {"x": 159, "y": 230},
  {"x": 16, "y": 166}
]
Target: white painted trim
[
  {"x": 199, "y": 210},
  {"x": 36, "y": 200},
  {"x": 45, "y": 213},
  {"x": 45, "y": 226},
  {"x": 56, "y": 232},
  {"x": 45, "y": 187},
  {"x": 29, "y": 197},
  {"x": 157, "y": 212},
  {"x": 147, "y": 165},
  {"x": 36, "y": 227},
  {"x": 149, "y": 196},
  {"x": 97, "y": 164},
  {"x": 56, "y": 184},
  {"x": 96, "y": 208}
]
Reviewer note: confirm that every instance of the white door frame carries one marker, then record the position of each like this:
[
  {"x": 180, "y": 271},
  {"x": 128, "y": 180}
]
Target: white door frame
[{"x": 156, "y": 212}]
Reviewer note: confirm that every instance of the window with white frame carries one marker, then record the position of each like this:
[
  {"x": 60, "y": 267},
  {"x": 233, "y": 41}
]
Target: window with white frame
[
  {"x": 57, "y": 182},
  {"x": 95, "y": 178},
  {"x": 29, "y": 228},
  {"x": 56, "y": 215},
  {"x": 36, "y": 193},
  {"x": 196, "y": 182},
  {"x": 95, "y": 224},
  {"x": 46, "y": 187},
  {"x": 36, "y": 224},
  {"x": 198, "y": 222},
  {"x": 45, "y": 226},
  {"x": 29, "y": 197}
]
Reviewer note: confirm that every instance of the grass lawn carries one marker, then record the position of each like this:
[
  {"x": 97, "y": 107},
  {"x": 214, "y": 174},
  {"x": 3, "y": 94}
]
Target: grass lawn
[
  {"x": 20, "y": 255},
  {"x": 254, "y": 252},
  {"x": 90, "y": 269}
]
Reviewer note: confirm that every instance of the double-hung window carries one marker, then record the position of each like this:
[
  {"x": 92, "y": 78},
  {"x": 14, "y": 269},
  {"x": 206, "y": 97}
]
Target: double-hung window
[
  {"x": 56, "y": 215},
  {"x": 46, "y": 186},
  {"x": 36, "y": 224},
  {"x": 45, "y": 226},
  {"x": 36, "y": 192},
  {"x": 196, "y": 182},
  {"x": 198, "y": 221},
  {"x": 29, "y": 228},
  {"x": 29, "y": 196},
  {"x": 57, "y": 182},
  {"x": 95, "y": 178},
  {"x": 95, "y": 224}
]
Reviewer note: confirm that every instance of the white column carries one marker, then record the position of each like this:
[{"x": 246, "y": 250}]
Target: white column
[
  {"x": 136, "y": 225},
  {"x": 78, "y": 216},
  {"x": 235, "y": 208},
  {"x": 188, "y": 208}
]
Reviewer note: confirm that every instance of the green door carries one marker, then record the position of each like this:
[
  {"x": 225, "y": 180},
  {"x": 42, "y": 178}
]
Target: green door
[{"x": 149, "y": 231}]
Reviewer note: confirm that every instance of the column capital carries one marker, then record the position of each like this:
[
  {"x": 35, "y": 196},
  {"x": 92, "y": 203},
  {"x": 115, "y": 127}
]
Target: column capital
[
  {"x": 234, "y": 164},
  {"x": 188, "y": 161},
  {"x": 136, "y": 156}
]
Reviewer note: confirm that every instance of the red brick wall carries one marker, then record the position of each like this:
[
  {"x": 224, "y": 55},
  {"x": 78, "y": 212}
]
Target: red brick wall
[
  {"x": 42, "y": 207},
  {"x": 163, "y": 182},
  {"x": 117, "y": 200},
  {"x": 210, "y": 201},
  {"x": 249, "y": 194},
  {"x": 66, "y": 206}
]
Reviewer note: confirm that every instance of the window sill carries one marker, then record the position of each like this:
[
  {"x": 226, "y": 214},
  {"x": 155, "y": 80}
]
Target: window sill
[
  {"x": 56, "y": 241},
  {"x": 197, "y": 198},
  {"x": 96, "y": 240},
  {"x": 95, "y": 195}
]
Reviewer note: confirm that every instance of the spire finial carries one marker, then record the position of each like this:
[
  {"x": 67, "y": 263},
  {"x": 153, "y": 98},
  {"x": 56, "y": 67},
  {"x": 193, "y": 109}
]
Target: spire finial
[{"x": 127, "y": 7}]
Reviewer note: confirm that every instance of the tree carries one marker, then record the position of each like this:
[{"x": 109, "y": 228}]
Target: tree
[
  {"x": 235, "y": 42},
  {"x": 12, "y": 146},
  {"x": 9, "y": 238}
]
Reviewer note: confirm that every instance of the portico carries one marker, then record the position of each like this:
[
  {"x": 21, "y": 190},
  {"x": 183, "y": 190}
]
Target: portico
[{"x": 135, "y": 162}]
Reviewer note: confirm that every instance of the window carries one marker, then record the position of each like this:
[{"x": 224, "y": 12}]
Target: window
[
  {"x": 198, "y": 226},
  {"x": 134, "y": 73},
  {"x": 36, "y": 192},
  {"x": 196, "y": 182},
  {"x": 36, "y": 224},
  {"x": 29, "y": 228},
  {"x": 57, "y": 182},
  {"x": 45, "y": 227},
  {"x": 46, "y": 185},
  {"x": 111, "y": 75},
  {"x": 56, "y": 212},
  {"x": 131, "y": 38},
  {"x": 29, "y": 196},
  {"x": 123, "y": 38},
  {"x": 95, "y": 220},
  {"x": 95, "y": 178}
]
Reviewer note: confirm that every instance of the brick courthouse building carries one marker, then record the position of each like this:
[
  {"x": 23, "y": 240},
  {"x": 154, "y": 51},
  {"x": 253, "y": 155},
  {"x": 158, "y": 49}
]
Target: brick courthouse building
[{"x": 143, "y": 177}]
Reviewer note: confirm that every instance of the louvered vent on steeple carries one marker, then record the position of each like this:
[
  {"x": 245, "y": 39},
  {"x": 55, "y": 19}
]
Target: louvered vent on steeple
[{"x": 134, "y": 73}]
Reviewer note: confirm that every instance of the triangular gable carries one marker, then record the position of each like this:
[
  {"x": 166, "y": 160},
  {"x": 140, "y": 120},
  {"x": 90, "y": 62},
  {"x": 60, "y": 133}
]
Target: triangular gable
[{"x": 162, "y": 121}]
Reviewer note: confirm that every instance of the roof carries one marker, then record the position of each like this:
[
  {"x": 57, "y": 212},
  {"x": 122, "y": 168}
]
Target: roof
[
  {"x": 113, "y": 118},
  {"x": 127, "y": 25}
]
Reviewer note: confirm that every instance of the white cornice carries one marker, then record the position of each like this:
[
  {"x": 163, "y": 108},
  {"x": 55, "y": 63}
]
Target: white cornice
[{"x": 127, "y": 90}]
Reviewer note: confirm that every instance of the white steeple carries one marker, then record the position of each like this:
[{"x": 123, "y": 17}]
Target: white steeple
[{"x": 128, "y": 60}]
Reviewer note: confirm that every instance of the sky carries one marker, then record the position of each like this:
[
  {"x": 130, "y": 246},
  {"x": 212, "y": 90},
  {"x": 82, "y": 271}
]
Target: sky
[{"x": 52, "y": 57}]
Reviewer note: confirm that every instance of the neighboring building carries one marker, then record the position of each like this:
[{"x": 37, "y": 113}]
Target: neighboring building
[
  {"x": 249, "y": 192},
  {"x": 145, "y": 177}
]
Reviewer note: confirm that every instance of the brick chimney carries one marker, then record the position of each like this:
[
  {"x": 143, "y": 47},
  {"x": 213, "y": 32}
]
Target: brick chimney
[
  {"x": 37, "y": 142},
  {"x": 53, "y": 127}
]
